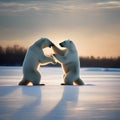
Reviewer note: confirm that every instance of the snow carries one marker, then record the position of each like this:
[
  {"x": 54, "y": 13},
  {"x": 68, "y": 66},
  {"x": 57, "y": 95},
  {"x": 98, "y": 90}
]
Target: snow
[{"x": 99, "y": 99}]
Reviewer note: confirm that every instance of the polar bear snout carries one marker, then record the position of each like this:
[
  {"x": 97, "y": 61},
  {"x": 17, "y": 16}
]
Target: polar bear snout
[{"x": 51, "y": 44}]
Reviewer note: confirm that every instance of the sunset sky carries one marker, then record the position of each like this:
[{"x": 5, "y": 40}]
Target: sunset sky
[{"x": 93, "y": 25}]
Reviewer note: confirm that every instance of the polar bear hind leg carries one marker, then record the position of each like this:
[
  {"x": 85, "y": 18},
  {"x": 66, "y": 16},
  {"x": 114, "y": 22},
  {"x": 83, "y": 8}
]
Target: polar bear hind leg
[
  {"x": 34, "y": 78},
  {"x": 24, "y": 82},
  {"x": 79, "y": 82},
  {"x": 68, "y": 79}
]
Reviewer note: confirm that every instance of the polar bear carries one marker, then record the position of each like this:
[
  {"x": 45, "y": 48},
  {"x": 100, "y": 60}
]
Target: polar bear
[
  {"x": 69, "y": 60},
  {"x": 33, "y": 59}
]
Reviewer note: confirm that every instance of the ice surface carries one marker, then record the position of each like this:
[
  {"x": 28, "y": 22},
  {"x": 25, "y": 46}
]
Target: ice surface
[{"x": 99, "y": 99}]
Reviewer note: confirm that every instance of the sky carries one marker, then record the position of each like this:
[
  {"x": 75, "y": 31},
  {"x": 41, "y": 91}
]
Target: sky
[{"x": 93, "y": 25}]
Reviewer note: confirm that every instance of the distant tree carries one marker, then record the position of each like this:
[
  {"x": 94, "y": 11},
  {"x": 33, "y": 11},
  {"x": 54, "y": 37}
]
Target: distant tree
[
  {"x": 100, "y": 62},
  {"x": 14, "y": 56}
]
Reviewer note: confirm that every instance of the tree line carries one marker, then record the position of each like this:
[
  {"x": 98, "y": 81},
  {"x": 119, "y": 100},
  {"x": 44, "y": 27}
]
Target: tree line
[{"x": 14, "y": 56}]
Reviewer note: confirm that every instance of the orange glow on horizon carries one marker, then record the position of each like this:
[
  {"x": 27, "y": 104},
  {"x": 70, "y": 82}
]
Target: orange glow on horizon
[{"x": 87, "y": 45}]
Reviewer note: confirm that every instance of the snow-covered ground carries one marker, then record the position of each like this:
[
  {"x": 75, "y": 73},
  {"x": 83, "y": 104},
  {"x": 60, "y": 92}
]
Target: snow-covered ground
[{"x": 99, "y": 99}]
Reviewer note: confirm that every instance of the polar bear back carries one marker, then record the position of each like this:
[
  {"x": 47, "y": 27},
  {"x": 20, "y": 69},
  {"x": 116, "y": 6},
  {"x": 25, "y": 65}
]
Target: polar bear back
[{"x": 33, "y": 58}]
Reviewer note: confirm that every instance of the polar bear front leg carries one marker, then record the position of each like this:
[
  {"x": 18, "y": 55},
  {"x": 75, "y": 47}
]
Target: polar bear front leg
[
  {"x": 58, "y": 51},
  {"x": 45, "y": 60},
  {"x": 61, "y": 59}
]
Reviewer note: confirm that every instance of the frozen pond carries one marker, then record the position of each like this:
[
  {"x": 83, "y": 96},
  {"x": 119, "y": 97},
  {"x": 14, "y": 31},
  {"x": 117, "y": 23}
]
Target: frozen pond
[
  {"x": 10, "y": 76},
  {"x": 99, "y": 99}
]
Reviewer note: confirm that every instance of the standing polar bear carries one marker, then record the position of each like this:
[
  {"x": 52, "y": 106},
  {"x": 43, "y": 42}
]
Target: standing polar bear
[
  {"x": 69, "y": 60},
  {"x": 33, "y": 59}
]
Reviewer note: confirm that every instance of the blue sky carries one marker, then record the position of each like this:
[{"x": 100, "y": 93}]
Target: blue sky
[{"x": 94, "y": 25}]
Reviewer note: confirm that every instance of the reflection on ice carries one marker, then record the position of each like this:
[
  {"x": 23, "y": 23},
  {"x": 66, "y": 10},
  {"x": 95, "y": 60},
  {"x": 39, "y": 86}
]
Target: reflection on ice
[
  {"x": 59, "y": 102},
  {"x": 65, "y": 107},
  {"x": 99, "y": 99}
]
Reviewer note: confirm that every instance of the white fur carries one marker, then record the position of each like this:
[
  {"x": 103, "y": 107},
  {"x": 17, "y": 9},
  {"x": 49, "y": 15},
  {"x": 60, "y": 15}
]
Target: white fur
[
  {"x": 69, "y": 60},
  {"x": 33, "y": 59}
]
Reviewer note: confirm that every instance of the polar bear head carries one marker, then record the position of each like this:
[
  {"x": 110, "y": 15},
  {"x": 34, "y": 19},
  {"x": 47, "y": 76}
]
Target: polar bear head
[
  {"x": 43, "y": 43},
  {"x": 68, "y": 44}
]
